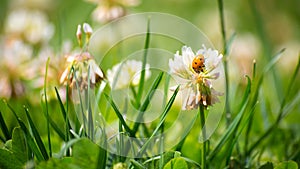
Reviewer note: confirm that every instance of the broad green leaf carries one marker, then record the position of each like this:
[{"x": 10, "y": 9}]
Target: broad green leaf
[
  {"x": 54, "y": 163},
  {"x": 85, "y": 156},
  {"x": 8, "y": 144},
  {"x": 267, "y": 165},
  {"x": 287, "y": 165},
  {"x": 19, "y": 145},
  {"x": 8, "y": 160},
  {"x": 176, "y": 163},
  {"x": 86, "y": 153}
]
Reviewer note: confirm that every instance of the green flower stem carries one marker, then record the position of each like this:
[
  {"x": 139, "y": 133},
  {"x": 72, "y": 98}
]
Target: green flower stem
[
  {"x": 46, "y": 105},
  {"x": 225, "y": 48},
  {"x": 202, "y": 122}
]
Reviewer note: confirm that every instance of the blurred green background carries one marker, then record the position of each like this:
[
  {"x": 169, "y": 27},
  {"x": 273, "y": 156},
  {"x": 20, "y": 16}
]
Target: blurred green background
[{"x": 262, "y": 28}]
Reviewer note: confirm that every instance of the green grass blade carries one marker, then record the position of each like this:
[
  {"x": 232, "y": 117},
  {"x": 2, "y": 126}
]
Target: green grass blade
[
  {"x": 89, "y": 109},
  {"x": 292, "y": 81},
  {"x": 282, "y": 110},
  {"x": 2, "y": 139},
  {"x": 274, "y": 60},
  {"x": 84, "y": 120},
  {"x": 191, "y": 161},
  {"x": 4, "y": 128},
  {"x": 222, "y": 22},
  {"x": 63, "y": 111},
  {"x": 267, "y": 68},
  {"x": 62, "y": 108},
  {"x": 29, "y": 138},
  {"x": 55, "y": 127},
  {"x": 228, "y": 133},
  {"x": 238, "y": 133},
  {"x": 232, "y": 128},
  {"x": 37, "y": 136},
  {"x": 118, "y": 113},
  {"x": 147, "y": 101},
  {"x": 102, "y": 158},
  {"x": 161, "y": 121},
  {"x": 143, "y": 72},
  {"x": 46, "y": 103},
  {"x": 137, "y": 164},
  {"x": 66, "y": 146}
]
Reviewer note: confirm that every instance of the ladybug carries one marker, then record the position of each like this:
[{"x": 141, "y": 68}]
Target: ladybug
[{"x": 198, "y": 64}]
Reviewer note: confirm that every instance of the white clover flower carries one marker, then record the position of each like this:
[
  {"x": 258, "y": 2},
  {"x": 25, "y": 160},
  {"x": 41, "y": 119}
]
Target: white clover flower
[
  {"x": 126, "y": 74},
  {"x": 108, "y": 10},
  {"x": 194, "y": 73}
]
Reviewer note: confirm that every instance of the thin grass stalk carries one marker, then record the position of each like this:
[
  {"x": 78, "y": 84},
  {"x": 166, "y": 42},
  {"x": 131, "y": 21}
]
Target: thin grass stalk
[
  {"x": 46, "y": 104},
  {"x": 204, "y": 144},
  {"x": 52, "y": 123},
  {"x": 161, "y": 147},
  {"x": 64, "y": 113},
  {"x": 161, "y": 121},
  {"x": 118, "y": 113},
  {"x": 225, "y": 63},
  {"x": 143, "y": 72},
  {"x": 267, "y": 46},
  {"x": 89, "y": 109},
  {"x": 68, "y": 125},
  {"x": 84, "y": 120},
  {"x": 146, "y": 103}
]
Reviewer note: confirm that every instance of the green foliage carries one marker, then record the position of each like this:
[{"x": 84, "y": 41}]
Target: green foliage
[
  {"x": 287, "y": 165},
  {"x": 260, "y": 116},
  {"x": 176, "y": 163},
  {"x": 85, "y": 155},
  {"x": 18, "y": 154}
]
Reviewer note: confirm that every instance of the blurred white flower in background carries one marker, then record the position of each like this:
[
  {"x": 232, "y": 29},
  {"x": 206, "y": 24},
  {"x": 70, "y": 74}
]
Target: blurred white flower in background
[
  {"x": 108, "y": 10},
  {"x": 126, "y": 74},
  {"x": 15, "y": 55},
  {"x": 245, "y": 49},
  {"x": 194, "y": 73},
  {"x": 32, "y": 25},
  {"x": 32, "y": 4}
]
